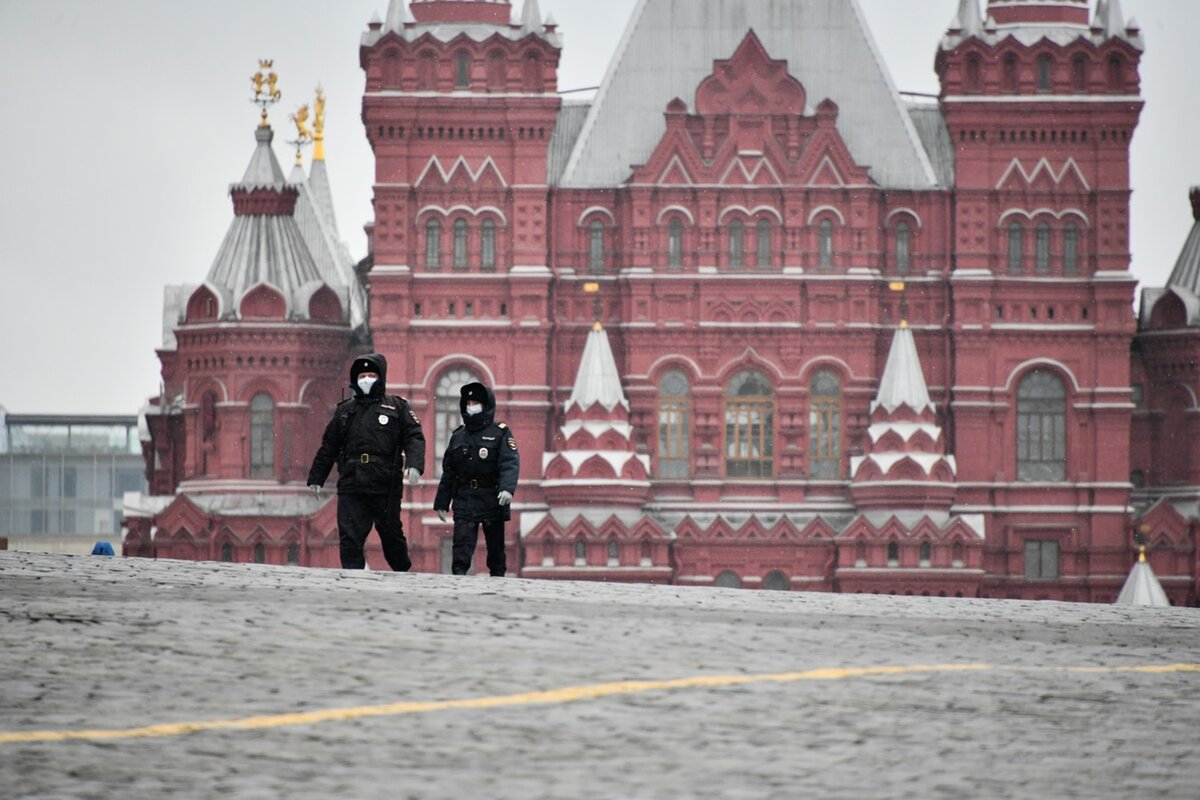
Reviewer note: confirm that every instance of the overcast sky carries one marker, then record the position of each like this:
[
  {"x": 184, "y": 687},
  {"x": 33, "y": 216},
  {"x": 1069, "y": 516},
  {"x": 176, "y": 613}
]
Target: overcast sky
[{"x": 125, "y": 121}]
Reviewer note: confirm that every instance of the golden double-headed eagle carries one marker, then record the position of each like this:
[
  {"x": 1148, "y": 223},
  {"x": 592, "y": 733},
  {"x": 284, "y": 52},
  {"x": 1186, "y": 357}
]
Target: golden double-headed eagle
[{"x": 269, "y": 91}]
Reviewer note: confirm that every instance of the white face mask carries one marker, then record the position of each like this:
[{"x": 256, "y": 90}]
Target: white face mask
[
  {"x": 474, "y": 408},
  {"x": 366, "y": 384}
]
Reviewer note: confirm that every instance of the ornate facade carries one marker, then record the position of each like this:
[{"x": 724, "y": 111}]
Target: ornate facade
[{"x": 757, "y": 318}]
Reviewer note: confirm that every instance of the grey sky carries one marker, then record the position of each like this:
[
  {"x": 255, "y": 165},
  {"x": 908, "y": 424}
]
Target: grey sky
[{"x": 126, "y": 120}]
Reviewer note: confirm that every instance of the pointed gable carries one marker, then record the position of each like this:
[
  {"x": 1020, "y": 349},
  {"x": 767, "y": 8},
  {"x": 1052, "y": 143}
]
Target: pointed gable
[{"x": 669, "y": 49}]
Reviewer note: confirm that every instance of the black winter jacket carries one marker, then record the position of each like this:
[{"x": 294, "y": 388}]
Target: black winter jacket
[
  {"x": 481, "y": 460},
  {"x": 364, "y": 437}
]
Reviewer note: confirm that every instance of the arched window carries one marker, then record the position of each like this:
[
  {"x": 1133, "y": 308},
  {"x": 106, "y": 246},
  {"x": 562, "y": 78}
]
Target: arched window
[
  {"x": 825, "y": 426},
  {"x": 974, "y": 81},
  {"x": 825, "y": 245},
  {"x": 447, "y": 412},
  {"x": 427, "y": 71},
  {"x": 260, "y": 553},
  {"x": 1071, "y": 249},
  {"x": 674, "y": 426},
  {"x": 227, "y": 551},
  {"x": 903, "y": 253},
  {"x": 262, "y": 436},
  {"x": 208, "y": 416},
  {"x": 462, "y": 70},
  {"x": 293, "y": 554},
  {"x": 749, "y": 427},
  {"x": 737, "y": 244},
  {"x": 675, "y": 243},
  {"x": 776, "y": 581},
  {"x": 1016, "y": 247},
  {"x": 1116, "y": 72},
  {"x": 1042, "y": 241},
  {"x": 460, "y": 244},
  {"x": 763, "y": 237},
  {"x": 533, "y": 72},
  {"x": 1079, "y": 74},
  {"x": 1044, "y": 68},
  {"x": 580, "y": 553},
  {"x": 487, "y": 250},
  {"x": 1041, "y": 427},
  {"x": 893, "y": 553},
  {"x": 925, "y": 553},
  {"x": 497, "y": 70},
  {"x": 1010, "y": 73},
  {"x": 614, "y": 553},
  {"x": 391, "y": 69},
  {"x": 596, "y": 246},
  {"x": 728, "y": 580},
  {"x": 433, "y": 244}
]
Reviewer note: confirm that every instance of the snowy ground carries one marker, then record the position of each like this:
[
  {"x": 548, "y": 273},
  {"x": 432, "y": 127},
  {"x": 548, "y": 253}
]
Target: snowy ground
[{"x": 919, "y": 697}]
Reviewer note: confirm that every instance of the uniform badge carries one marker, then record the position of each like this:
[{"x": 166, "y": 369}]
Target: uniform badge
[
  {"x": 383, "y": 419},
  {"x": 512, "y": 443},
  {"x": 413, "y": 416},
  {"x": 483, "y": 452}
]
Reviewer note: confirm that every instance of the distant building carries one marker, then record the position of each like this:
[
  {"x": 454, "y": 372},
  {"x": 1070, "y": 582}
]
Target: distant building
[
  {"x": 63, "y": 479},
  {"x": 757, "y": 318}
]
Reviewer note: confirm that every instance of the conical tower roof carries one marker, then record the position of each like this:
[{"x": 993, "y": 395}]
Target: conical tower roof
[
  {"x": 903, "y": 383},
  {"x": 264, "y": 245},
  {"x": 969, "y": 19},
  {"x": 904, "y": 446},
  {"x": 1142, "y": 587},
  {"x": 598, "y": 380},
  {"x": 595, "y": 461},
  {"x": 1186, "y": 274}
]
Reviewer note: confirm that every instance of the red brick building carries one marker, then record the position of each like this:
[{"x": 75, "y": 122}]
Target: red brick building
[{"x": 757, "y": 318}]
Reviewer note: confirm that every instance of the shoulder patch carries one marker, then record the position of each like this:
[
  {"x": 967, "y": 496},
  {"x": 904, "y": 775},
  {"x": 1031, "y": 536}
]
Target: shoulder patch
[
  {"x": 512, "y": 443},
  {"x": 413, "y": 414},
  {"x": 501, "y": 425}
]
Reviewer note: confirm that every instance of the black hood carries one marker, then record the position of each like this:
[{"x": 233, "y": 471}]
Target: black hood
[
  {"x": 371, "y": 362},
  {"x": 477, "y": 391}
]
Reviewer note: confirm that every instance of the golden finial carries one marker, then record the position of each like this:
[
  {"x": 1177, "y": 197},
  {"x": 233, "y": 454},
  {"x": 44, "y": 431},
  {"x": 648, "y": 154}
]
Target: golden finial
[
  {"x": 266, "y": 92},
  {"x": 1142, "y": 554},
  {"x": 304, "y": 135},
  {"x": 903, "y": 324},
  {"x": 597, "y": 326},
  {"x": 319, "y": 125}
]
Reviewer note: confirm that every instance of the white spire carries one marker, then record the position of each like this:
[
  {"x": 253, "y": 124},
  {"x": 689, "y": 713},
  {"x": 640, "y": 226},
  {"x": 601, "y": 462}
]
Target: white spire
[
  {"x": 598, "y": 380},
  {"x": 531, "y": 16},
  {"x": 1101, "y": 14},
  {"x": 970, "y": 19},
  {"x": 1114, "y": 24},
  {"x": 397, "y": 15},
  {"x": 1142, "y": 588},
  {"x": 903, "y": 383}
]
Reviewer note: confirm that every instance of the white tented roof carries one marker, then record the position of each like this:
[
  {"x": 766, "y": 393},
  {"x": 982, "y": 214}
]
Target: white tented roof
[
  {"x": 598, "y": 380},
  {"x": 1142, "y": 588},
  {"x": 903, "y": 383},
  {"x": 669, "y": 47}
]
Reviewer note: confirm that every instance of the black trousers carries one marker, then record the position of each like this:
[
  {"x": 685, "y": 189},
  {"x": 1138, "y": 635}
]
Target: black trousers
[
  {"x": 356, "y": 514},
  {"x": 466, "y": 535}
]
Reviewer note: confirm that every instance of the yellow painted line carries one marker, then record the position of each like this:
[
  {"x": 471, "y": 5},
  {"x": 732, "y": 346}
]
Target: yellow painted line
[{"x": 554, "y": 696}]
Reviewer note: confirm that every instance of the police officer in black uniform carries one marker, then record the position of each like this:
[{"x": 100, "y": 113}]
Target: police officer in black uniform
[
  {"x": 368, "y": 437},
  {"x": 479, "y": 478}
]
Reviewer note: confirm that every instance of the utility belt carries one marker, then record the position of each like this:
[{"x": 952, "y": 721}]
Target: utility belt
[
  {"x": 367, "y": 458},
  {"x": 474, "y": 483}
]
